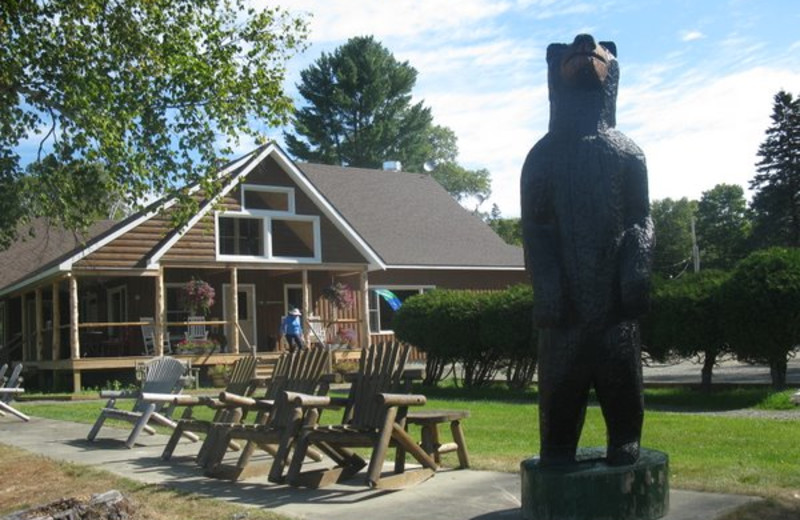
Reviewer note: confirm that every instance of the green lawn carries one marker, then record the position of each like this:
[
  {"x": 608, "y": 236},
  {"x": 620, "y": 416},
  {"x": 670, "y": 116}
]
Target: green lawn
[{"x": 707, "y": 452}]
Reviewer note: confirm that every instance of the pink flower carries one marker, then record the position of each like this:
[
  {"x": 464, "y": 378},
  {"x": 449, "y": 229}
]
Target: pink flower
[{"x": 199, "y": 296}]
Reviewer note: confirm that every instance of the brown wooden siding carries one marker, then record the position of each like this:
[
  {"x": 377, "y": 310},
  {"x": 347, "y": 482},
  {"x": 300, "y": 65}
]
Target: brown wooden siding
[
  {"x": 198, "y": 244},
  {"x": 132, "y": 248}
]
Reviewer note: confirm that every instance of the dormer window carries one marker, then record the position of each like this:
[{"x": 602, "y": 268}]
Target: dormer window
[
  {"x": 267, "y": 229},
  {"x": 268, "y": 198}
]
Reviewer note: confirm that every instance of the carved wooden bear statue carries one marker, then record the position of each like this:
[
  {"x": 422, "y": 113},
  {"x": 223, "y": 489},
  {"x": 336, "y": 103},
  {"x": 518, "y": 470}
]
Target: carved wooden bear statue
[{"x": 588, "y": 241}]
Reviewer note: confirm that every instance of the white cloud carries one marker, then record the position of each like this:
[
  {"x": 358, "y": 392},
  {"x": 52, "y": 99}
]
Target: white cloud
[
  {"x": 698, "y": 117},
  {"x": 337, "y": 20},
  {"x": 689, "y": 36},
  {"x": 695, "y": 138}
]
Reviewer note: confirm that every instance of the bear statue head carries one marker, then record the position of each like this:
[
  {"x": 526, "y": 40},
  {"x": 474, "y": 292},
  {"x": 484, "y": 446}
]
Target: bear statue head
[{"x": 583, "y": 78}]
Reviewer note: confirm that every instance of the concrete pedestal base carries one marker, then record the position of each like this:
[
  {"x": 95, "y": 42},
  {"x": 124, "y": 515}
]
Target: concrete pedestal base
[{"x": 592, "y": 490}]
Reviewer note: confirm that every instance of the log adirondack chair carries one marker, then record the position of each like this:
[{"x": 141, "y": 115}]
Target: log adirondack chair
[
  {"x": 9, "y": 390},
  {"x": 373, "y": 418},
  {"x": 149, "y": 337},
  {"x": 242, "y": 381},
  {"x": 163, "y": 375},
  {"x": 277, "y": 420}
]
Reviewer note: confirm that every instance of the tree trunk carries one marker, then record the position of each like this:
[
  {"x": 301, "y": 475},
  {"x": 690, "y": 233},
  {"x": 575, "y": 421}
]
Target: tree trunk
[
  {"x": 777, "y": 371},
  {"x": 708, "y": 368}
]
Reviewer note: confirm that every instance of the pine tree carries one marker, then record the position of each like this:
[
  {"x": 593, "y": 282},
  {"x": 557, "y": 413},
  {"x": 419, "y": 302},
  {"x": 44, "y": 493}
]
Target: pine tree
[
  {"x": 777, "y": 199},
  {"x": 359, "y": 113},
  {"x": 359, "y": 110}
]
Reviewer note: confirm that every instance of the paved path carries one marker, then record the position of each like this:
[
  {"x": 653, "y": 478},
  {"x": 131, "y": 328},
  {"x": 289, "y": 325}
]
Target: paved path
[
  {"x": 451, "y": 494},
  {"x": 726, "y": 372}
]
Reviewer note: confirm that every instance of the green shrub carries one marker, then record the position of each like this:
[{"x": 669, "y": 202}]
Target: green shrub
[
  {"x": 762, "y": 309},
  {"x": 685, "y": 320},
  {"x": 506, "y": 328},
  {"x": 481, "y": 331}
]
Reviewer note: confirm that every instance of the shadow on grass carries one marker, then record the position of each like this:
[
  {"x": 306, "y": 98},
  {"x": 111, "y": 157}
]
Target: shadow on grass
[
  {"x": 690, "y": 399},
  {"x": 769, "y": 509}
]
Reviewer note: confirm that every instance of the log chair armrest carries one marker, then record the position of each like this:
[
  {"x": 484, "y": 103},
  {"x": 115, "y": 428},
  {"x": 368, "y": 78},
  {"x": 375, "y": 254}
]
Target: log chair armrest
[
  {"x": 229, "y": 400},
  {"x": 183, "y": 400},
  {"x": 401, "y": 399},
  {"x": 236, "y": 400},
  {"x": 306, "y": 400},
  {"x": 120, "y": 394}
]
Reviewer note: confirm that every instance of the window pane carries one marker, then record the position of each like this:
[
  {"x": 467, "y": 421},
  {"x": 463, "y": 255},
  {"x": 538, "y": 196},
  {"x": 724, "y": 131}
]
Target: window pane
[
  {"x": 269, "y": 200},
  {"x": 241, "y": 236},
  {"x": 293, "y": 238},
  {"x": 249, "y": 237}
]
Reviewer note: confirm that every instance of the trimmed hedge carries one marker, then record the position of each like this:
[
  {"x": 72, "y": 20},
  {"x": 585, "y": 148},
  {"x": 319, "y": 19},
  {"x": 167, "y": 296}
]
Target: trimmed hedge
[
  {"x": 483, "y": 332},
  {"x": 761, "y": 310},
  {"x": 685, "y": 320}
]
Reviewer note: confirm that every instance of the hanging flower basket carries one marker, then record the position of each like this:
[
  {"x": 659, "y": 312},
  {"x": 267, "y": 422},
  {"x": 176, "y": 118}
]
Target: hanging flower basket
[
  {"x": 340, "y": 295},
  {"x": 199, "y": 297}
]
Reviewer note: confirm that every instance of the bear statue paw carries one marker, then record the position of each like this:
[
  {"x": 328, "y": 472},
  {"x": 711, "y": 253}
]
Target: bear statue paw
[{"x": 623, "y": 455}]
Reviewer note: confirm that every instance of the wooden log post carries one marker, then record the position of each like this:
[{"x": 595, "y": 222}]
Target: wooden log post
[
  {"x": 306, "y": 306},
  {"x": 160, "y": 314},
  {"x": 39, "y": 325},
  {"x": 364, "y": 314},
  {"x": 74, "y": 336},
  {"x": 233, "y": 311},
  {"x": 56, "y": 345},
  {"x": 23, "y": 318}
]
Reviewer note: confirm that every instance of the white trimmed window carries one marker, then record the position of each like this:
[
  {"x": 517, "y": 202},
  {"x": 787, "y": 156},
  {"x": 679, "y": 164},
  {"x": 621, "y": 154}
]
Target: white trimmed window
[
  {"x": 267, "y": 229},
  {"x": 380, "y": 309},
  {"x": 268, "y": 198}
]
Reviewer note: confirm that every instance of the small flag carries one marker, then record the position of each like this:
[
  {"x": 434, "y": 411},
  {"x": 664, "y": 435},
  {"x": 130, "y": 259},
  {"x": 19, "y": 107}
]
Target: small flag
[{"x": 390, "y": 297}]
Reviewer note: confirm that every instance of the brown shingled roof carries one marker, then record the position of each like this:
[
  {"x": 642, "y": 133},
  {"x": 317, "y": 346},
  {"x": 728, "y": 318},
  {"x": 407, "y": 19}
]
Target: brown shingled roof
[
  {"x": 408, "y": 219},
  {"x": 49, "y": 245}
]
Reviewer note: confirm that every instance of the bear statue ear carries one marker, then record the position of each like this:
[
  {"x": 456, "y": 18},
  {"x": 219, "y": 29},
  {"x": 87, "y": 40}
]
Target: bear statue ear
[
  {"x": 611, "y": 47},
  {"x": 555, "y": 50}
]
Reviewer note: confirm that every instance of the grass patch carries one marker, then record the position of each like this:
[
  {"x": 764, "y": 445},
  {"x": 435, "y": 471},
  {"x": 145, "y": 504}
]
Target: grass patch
[
  {"x": 694, "y": 399},
  {"x": 32, "y": 480},
  {"x": 707, "y": 452}
]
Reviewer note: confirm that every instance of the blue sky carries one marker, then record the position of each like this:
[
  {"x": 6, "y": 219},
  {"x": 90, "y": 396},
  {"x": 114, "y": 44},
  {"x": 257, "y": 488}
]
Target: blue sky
[{"x": 696, "y": 87}]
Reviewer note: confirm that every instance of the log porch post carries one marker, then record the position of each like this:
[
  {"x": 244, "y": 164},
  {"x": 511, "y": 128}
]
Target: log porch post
[
  {"x": 56, "y": 295},
  {"x": 306, "y": 305},
  {"x": 363, "y": 286},
  {"x": 158, "y": 333},
  {"x": 23, "y": 318},
  {"x": 233, "y": 311},
  {"x": 74, "y": 336},
  {"x": 39, "y": 325}
]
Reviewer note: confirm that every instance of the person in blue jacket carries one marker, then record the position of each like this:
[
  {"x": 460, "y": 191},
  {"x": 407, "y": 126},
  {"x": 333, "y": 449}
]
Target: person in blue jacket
[{"x": 292, "y": 328}]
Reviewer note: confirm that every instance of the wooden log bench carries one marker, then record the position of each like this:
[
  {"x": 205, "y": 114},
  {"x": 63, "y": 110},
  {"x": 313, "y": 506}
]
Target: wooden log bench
[{"x": 429, "y": 421}]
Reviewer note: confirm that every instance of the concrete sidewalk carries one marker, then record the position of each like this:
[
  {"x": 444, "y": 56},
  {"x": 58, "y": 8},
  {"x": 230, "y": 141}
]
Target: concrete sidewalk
[{"x": 451, "y": 494}]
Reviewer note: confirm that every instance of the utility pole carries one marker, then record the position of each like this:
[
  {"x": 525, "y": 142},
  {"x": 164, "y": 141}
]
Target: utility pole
[{"x": 695, "y": 249}]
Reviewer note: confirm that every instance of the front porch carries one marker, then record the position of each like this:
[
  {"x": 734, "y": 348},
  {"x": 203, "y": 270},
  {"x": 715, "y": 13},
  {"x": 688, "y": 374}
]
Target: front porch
[
  {"x": 91, "y": 321},
  {"x": 76, "y": 368}
]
